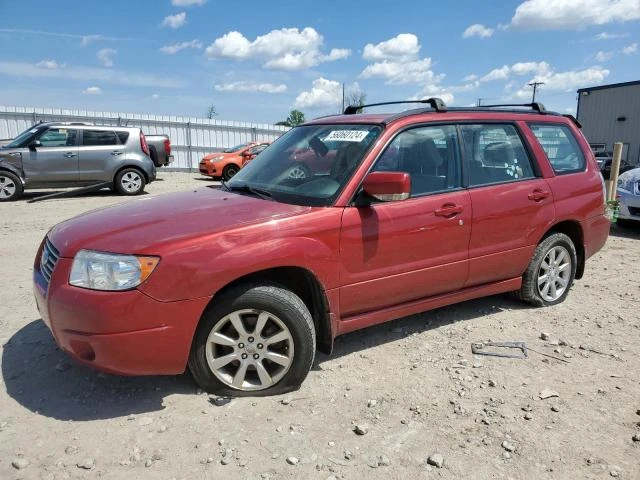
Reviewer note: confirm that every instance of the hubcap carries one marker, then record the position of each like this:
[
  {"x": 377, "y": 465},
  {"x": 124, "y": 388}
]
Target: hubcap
[
  {"x": 250, "y": 350},
  {"x": 297, "y": 172},
  {"x": 131, "y": 181},
  {"x": 554, "y": 274},
  {"x": 7, "y": 187}
]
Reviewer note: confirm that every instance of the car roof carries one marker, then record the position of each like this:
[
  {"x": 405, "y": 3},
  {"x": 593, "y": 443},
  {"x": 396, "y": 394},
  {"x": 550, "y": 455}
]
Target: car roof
[{"x": 83, "y": 125}]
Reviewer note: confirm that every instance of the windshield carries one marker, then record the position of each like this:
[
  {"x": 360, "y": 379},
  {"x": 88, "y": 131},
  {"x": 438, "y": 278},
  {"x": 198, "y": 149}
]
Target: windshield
[
  {"x": 21, "y": 139},
  {"x": 236, "y": 148},
  {"x": 308, "y": 165}
]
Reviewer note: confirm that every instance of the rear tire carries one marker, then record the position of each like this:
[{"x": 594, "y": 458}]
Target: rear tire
[
  {"x": 130, "y": 181},
  {"x": 255, "y": 340},
  {"x": 550, "y": 273},
  {"x": 229, "y": 171},
  {"x": 10, "y": 187}
]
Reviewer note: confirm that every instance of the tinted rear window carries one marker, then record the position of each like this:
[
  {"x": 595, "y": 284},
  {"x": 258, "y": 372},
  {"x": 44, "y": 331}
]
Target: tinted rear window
[{"x": 99, "y": 137}]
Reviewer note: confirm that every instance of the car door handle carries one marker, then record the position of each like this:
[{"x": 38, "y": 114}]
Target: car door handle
[
  {"x": 448, "y": 210},
  {"x": 15, "y": 154},
  {"x": 538, "y": 195},
  {"x": 117, "y": 152},
  {"x": 70, "y": 155}
]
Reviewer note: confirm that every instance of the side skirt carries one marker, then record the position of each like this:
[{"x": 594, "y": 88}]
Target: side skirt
[{"x": 356, "y": 322}]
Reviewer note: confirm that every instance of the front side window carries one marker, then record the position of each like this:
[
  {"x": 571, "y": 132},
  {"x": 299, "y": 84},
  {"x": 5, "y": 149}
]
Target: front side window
[
  {"x": 495, "y": 154},
  {"x": 428, "y": 154},
  {"x": 560, "y": 146},
  {"x": 93, "y": 138},
  {"x": 58, "y": 137},
  {"x": 308, "y": 165}
]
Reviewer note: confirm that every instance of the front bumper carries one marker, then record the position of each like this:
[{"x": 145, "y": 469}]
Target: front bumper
[
  {"x": 629, "y": 206},
  {"x": 127, "y": 333},
  {"x": 207, "y": 168}
]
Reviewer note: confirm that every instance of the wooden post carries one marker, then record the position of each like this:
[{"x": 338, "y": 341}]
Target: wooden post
[{"x": 615, "y": 170}]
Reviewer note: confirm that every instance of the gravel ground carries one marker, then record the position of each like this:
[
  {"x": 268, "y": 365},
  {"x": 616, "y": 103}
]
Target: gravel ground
[{"x": 402, "y": 400}]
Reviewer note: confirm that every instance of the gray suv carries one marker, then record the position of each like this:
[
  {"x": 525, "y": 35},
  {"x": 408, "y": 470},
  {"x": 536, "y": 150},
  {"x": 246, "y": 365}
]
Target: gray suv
[{"x": 59, "y": 155}]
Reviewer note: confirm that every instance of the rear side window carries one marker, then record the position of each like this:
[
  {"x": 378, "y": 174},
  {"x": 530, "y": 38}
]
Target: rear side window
[
  {"x": 123, "y": 137},
  {"x": 561, "y": 147},
  {"x": 495, "y": 154},
  {"x": 99, "y": 137}
]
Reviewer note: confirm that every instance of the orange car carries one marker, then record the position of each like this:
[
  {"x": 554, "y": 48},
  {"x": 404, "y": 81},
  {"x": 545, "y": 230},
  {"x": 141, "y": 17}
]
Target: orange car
[{"x": 229, "y": 161}]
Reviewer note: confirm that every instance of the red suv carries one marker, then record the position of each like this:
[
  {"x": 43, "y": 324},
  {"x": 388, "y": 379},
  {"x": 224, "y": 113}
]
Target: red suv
[{"x": 418, "y": 210}]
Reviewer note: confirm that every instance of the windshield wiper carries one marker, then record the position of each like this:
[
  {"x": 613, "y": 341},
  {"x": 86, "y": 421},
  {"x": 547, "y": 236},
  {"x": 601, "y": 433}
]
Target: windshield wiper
[{"x": 258, "y": 192}]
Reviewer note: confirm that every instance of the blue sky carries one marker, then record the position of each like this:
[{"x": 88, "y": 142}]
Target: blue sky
[{"x": 257, "y": 60}]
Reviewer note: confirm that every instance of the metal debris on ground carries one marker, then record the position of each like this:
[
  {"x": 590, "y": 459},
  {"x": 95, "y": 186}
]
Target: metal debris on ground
[
  {"x": 72, "y": 193},
  {"x": 489, "y": 348}
]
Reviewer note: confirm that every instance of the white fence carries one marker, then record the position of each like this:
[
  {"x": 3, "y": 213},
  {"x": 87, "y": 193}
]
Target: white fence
[{"x": 191, "y": 137}]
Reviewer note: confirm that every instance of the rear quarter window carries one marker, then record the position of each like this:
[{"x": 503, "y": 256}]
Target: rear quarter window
[
  {"x": 91, "y": 138},
  {"x": 560, "y": 146},
  {"x": 123, "y": 137}
]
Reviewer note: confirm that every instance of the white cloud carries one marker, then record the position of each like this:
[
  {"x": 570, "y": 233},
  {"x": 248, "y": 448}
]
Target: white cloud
[
  {"x": 401, "y": 47},
  {"x": 89, "y": 39},
  {"x": 155, "y": 96},
  {"x": 284, "y": 49},
  {"x": 105, "y": 56},
  {"x": 477, "y": 30},
  {"x": 251, "y": 87},
  {"x": 573, "y": 14},
  {"x": 175, "y": 21},
  {"x": 323, "y": 93},
  {"x": 92, "y": 91},
  {"x": 603, "y": 56},
  {"x": 520, "y": 68},
  {"x": 398, "y": 73},
  {"x": 630, "y": 49},
  {"x": 49, "y": 64},
  {"x": 609, "y": 36},
  {"x": 566, "y": 81},
  {"x": 103, "y": 75},
  {"x": 435, "y": 91},
  {"x": 470, "y": 78},
  {"x": 177, "y": 47},
  {"x": 188, "y": 3}
]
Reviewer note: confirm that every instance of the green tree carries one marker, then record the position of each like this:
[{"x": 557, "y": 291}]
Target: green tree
[
  {"x": 211, "y": 111},
  {"x": 295, "y": 118}
]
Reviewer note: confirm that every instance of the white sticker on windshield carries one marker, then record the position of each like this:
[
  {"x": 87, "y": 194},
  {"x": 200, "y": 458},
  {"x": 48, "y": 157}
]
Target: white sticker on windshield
[
  {"x": 33, "y": 131},
  {"x": 346, "y": 136}
]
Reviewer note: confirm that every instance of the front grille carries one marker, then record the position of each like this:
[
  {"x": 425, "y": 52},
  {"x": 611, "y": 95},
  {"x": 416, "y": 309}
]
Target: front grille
[
  {"x": 48, "y": 260},
  {"x": 635, "y": 211}
]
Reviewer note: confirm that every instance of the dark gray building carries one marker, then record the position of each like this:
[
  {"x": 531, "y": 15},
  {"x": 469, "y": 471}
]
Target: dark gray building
[{"x": 609, "y": 114}]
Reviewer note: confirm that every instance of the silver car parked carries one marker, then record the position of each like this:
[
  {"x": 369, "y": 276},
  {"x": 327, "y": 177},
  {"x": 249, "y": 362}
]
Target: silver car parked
[{"x": 59, "y": 155}]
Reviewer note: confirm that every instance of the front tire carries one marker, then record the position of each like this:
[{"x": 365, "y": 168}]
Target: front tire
[
  {"x": 130, "y": 181},
  {"x": 550, "y": 273},
  {"x": 10, "y": 187},
  {"x": 255, "y": 340},
  {"x": 229, "y": 171}
]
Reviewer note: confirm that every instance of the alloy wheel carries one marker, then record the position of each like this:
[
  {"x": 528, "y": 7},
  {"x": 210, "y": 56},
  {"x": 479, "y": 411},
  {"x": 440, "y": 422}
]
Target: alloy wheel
[
  {"x": 131, "y": 181},
  {"x": 554, "y": 274},
  {"x": 249, "y": 350},
  {"x": 7, "y": 187}
]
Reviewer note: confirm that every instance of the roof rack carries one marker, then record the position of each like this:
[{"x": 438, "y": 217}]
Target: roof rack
[
  {"x": 436, "y": 103},
  {"x": 537, "y": 106}
]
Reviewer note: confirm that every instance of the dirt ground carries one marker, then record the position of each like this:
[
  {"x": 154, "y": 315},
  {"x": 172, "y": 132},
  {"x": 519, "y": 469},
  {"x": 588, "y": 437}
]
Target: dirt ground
[{"x": 412, "y": 385}]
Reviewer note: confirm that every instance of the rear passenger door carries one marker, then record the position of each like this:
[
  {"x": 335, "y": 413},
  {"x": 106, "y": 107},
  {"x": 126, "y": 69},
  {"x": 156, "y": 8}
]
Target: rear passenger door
[
  {"x": 99, "y": 150},
  {"x": 512, "y": 204}
]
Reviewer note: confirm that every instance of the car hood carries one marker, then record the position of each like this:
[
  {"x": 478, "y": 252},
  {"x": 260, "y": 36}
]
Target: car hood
[{"x": 150, "y": 225}]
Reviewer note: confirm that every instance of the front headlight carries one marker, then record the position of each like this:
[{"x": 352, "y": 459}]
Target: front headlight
[
  {"x": 216, "y": 159},
  {"x": 109, "y": 271}
]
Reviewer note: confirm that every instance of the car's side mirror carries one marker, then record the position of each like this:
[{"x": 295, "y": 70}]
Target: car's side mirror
[
  {"x": 387, "y": 186},
  {"x": 35, "y": 144}
]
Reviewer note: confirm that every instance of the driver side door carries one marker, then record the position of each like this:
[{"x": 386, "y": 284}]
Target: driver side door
[
  {"x": 55, "y": 161},
  {"x": 402, "y": 251}
]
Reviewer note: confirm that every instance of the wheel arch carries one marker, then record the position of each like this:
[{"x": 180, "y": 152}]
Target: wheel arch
[
  {"x": 305, "y": 285},
  {"x": 9, "y": 168},
  {"x": 573, "y": 230}
]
